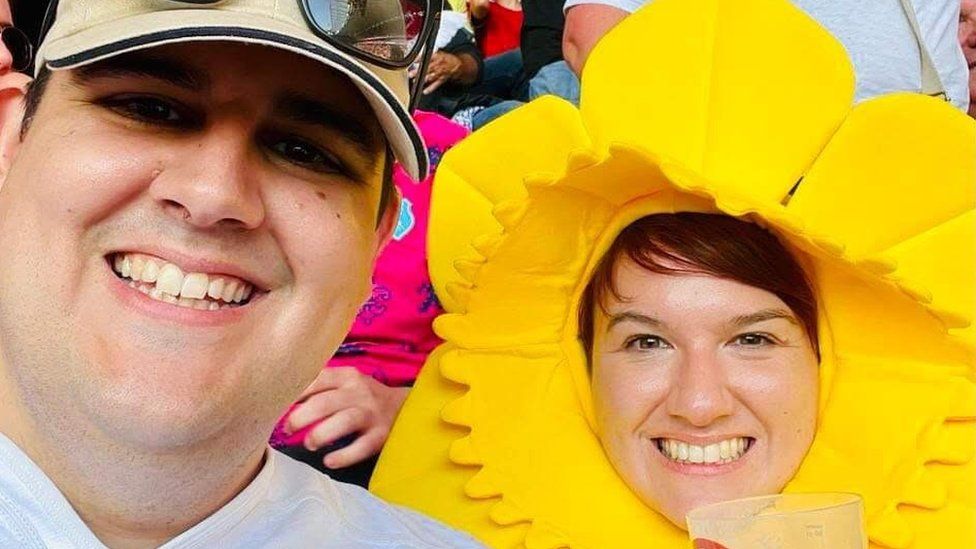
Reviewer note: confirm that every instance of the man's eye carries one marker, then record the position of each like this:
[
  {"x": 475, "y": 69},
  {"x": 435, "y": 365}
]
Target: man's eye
[
  {"x": 152, "y": 110},
  {"x": 753, "y": 340},
  {"x": 306, "y": 155},
  {"x": 646, "y": 343}
]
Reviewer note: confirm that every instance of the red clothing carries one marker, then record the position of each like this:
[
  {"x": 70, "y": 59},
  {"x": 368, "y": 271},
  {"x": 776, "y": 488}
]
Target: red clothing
[{"x": 500, "y": 31}]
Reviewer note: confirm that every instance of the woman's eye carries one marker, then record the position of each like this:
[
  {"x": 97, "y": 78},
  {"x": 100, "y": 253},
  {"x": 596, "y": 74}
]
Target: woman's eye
[
  {"x": 646, "y": 343},
  {"x": 306, "y": 155},
  {"x": 753, "y": 340},
  {"x": 152, "y": 110}
]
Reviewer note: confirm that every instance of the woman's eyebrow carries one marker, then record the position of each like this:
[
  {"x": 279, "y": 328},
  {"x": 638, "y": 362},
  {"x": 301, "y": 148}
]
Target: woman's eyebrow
[
  {"x": 763, "y": 315},
  {"x": 633, "y": 316}
]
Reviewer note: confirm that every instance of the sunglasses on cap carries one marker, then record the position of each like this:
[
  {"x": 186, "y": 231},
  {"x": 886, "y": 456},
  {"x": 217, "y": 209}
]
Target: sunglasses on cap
[
  {"x": 19, "y": 46},
  {"x": 394, "y": 40},
  {"x": 388, "y": 33}
]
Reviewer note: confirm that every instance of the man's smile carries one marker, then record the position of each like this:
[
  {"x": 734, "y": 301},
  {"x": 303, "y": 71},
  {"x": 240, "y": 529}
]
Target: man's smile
[{"x": 162, "y": 280}]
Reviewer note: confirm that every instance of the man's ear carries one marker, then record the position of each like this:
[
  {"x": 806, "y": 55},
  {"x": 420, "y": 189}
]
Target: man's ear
[
  {"x": 13, "y": 87},
  {"x": 388, "y": 222}
]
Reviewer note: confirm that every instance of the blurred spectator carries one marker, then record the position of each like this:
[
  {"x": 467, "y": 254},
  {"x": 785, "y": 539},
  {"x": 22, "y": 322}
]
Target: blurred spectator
[
  {"x": 447, "y": 66},
  {"x": 967, "y": 39},
  {"x": 542, "y": 53},
  {"x": 456, "y": 71},
  {"x": 503, "y": 82},
  {"x": 543, "y": 67},
  {"x": 878, "y": 36},
  {"x": 459, "y": 81},
  {"x": 586, "y": 23},
  {"x": 497, "y": 25},
  {"x": 341, "y": 421},
  {"x": 456, "y": 62}
]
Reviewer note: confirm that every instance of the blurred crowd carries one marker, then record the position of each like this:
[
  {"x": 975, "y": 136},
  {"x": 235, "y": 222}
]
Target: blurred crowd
[{"x": 493, "y": 56}]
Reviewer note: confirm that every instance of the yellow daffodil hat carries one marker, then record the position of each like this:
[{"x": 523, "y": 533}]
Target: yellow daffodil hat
[{"x": 741, "y": 107}]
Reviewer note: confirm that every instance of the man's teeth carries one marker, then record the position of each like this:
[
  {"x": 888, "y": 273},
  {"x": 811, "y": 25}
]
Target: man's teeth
[
  {"x": 164, "y": 281},
  {"x": 725, "y": 451}
]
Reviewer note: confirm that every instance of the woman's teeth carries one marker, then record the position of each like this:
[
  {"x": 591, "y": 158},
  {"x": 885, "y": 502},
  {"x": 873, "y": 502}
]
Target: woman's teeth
[
  {"x": 725, "y": 451},
  {"x": 166, "y": 282}
]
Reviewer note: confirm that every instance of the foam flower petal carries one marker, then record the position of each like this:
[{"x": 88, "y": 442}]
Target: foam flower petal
[{"x": 737, "y": 104}]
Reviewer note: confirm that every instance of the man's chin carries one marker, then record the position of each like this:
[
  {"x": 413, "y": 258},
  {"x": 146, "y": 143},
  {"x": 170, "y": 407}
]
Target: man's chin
[{"x": 155, "y": 420}]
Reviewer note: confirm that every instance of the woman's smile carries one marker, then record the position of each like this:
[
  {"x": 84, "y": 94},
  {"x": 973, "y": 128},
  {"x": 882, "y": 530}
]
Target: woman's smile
[{"x": 704, "y": 382}]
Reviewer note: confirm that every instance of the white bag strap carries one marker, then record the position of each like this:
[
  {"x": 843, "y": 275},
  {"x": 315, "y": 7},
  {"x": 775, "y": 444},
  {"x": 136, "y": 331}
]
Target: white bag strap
[{"x": 931, "y": 83}]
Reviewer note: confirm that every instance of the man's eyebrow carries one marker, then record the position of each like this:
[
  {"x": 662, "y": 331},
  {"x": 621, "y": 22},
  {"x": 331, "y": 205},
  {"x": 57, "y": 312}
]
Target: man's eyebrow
[
  {"x": 305, "y": 110},
  {"x": 143, "y": 66},
  {"x": 763, "y": 315},
  {"x": 631, "y": 316}
]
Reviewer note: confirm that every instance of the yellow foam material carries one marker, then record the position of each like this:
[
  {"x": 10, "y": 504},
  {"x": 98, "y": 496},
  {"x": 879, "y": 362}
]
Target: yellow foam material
[
  {"x": 559, "y": 132},
  {"x": 714, "y": 106}
]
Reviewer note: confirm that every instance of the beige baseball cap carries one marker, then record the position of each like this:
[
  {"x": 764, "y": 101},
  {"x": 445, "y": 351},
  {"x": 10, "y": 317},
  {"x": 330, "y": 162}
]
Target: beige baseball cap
[{"x": 86, "y": 31}]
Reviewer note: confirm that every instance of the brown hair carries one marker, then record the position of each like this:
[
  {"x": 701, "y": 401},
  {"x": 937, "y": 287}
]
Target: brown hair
[{"x": 709, "y": 244}]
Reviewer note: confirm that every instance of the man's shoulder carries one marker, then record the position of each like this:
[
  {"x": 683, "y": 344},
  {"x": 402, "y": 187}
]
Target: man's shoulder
[{"x": 312, "y": 502}]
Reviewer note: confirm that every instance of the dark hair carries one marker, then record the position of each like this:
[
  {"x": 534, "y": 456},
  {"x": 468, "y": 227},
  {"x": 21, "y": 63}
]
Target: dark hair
[
  {"x": 386, "y": 193},
  {"x": 36, "y": 88},
  {"x": 709, "y": 244},
  {"x": 32, "y": 99}
]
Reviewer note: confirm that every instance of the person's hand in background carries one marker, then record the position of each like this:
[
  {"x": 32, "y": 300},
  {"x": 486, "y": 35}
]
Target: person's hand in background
[
  {"x": 447, "y": 67},
  {"x": 343, "y": 402}
]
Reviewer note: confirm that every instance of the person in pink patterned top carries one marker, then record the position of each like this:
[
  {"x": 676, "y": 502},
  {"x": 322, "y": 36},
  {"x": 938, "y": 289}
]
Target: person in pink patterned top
[{"x": 342, "y": 419}]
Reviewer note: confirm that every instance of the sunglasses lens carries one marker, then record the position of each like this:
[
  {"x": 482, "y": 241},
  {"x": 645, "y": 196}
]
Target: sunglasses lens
[
  {"x": 384, "y": 29},
  {"x": 19, "y": 47}
]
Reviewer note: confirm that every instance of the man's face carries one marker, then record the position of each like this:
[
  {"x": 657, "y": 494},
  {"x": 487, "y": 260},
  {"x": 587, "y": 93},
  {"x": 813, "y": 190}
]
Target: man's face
[{"x": 222, "y": 166}]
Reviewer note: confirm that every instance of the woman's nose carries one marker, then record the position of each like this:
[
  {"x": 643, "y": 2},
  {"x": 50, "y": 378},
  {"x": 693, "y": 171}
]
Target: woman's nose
[{"x": 699, "y": 393}]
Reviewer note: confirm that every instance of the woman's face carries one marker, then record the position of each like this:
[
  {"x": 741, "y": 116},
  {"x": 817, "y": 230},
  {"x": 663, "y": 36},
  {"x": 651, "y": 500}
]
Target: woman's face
[{"x": 705, "y": 389}]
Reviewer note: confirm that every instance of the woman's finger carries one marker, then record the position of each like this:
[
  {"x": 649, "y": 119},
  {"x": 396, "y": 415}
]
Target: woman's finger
[
  {"x": 344, "y": 422},
  {"x": 316, "y": 408},
  {"x": 367, "y": 445}
]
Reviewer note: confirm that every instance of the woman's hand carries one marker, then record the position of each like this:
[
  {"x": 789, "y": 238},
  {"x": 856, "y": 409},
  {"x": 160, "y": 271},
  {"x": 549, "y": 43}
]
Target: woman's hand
[{"x": 343, "y": 402}]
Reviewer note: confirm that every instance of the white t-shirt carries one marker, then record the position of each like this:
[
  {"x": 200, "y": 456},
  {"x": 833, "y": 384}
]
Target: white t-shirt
[
  {"x": 880, "y": 42},
  {"x": 288, "y": 505}
]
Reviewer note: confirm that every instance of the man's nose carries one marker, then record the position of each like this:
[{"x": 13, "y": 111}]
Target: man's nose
[
  {"x": 699, "y": 392},
  {"x": 213, "y": 184}
]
